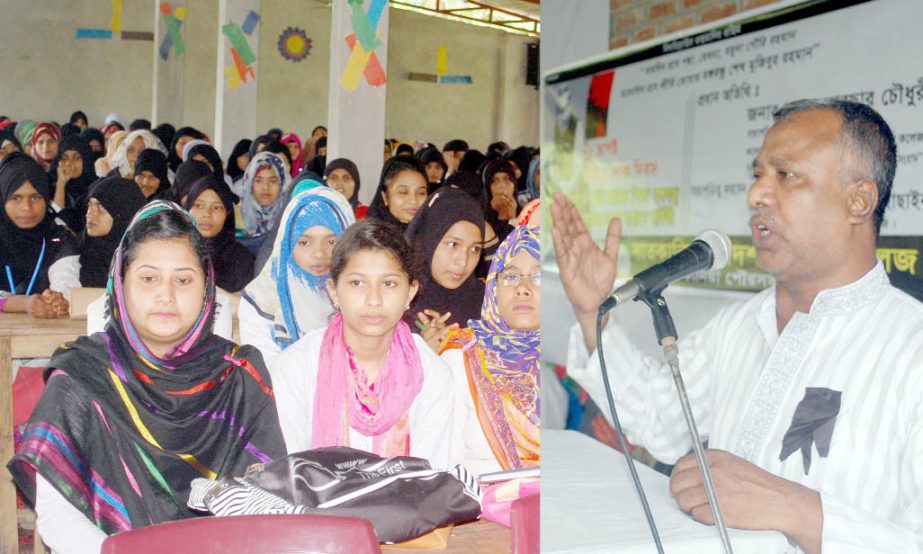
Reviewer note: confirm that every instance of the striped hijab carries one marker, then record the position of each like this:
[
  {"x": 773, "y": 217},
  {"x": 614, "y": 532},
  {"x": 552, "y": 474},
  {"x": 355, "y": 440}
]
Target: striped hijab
[{"x": 121, "y": 433}]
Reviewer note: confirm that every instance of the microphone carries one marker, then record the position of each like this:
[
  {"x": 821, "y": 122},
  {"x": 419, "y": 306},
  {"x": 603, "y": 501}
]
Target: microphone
[{"x": 710, "y": 250}]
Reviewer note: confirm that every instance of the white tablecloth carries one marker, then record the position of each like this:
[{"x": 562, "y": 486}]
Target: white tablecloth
[{"x": 590, "y": 505}]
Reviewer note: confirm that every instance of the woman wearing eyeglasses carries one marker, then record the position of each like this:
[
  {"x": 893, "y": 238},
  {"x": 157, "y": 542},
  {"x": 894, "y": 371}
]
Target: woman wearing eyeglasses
[{"x": 495, "y": 361}]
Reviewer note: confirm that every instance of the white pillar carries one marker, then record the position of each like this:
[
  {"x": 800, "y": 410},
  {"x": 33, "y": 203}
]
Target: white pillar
[
  {"x": 168, "y": 73},
  {"x": 356, "y": 105},
  {"x": 236, "y": 86}
]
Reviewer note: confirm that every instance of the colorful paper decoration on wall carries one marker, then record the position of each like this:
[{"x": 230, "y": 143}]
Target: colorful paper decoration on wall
[
  {"x": 362, "y": 43},
  {"x": 115, "y": 28},
  {"x": 173, "y": 19},
  {"x": 242, "y": 70},
  {"x": 442, "y": 68},
  {"x": 294, "y": 44}
]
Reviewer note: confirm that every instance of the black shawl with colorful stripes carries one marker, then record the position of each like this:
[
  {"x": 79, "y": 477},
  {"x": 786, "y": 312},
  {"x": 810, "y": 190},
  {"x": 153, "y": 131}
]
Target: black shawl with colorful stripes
[{"x": 122, "y": 441}]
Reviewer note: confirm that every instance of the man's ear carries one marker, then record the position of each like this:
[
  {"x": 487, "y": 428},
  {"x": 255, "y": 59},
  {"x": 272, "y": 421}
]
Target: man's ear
[{"x": 863, "y": 199}]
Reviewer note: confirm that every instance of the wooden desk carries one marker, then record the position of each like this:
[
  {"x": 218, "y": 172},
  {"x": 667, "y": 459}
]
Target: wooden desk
[
  {"x": 22, "y": 336},
  {"x": 476, "y": 537}
]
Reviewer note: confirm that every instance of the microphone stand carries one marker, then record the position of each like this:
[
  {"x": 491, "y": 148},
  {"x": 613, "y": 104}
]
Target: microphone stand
[{"x": 666, "y": 337}]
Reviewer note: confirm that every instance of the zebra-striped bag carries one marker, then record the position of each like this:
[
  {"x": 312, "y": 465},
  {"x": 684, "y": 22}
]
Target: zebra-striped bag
[{"x": 403, "y": 497}]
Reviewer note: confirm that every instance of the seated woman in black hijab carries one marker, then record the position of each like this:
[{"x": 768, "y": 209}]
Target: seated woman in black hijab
[
  {"x": 401, "y": 191},
  {"x": 73, "y": 170},
  {"x": 151, "y": 174},
  {"x": 211, "y": 203},
  {"x": 38, "y": 256},
  {"x": 448, "y": 235},
  {"x": 111, "y": 204},
  {"x": 131, "y": 415}
]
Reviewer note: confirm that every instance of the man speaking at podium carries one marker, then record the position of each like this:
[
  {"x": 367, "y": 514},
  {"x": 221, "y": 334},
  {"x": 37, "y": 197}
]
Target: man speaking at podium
[{"x": 810, "y": 394}]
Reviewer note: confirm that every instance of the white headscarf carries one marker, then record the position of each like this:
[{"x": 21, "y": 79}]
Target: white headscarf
[{"x": 120, "y": 160}]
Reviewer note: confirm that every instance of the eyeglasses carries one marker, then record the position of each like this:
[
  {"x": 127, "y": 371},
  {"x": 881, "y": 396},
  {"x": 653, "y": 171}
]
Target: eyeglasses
[{"x": 510, "y": 279}]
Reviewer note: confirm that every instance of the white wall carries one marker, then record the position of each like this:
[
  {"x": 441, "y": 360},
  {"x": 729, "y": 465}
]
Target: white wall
[{"x": 48, "y": 73}]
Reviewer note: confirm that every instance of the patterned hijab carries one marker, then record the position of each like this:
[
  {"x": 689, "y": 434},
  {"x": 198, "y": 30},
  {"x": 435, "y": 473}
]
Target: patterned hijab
[
  {"x": 503, "y": 370},
  {"x": 120, "y": 432},
  {"x": 44, "y": 129},
  {"x": 259, "y": 219},
  {"x": 294, "y": 301}
]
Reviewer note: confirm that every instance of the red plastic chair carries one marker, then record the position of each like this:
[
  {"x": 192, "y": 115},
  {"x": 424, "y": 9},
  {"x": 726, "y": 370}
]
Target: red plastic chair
[
  {"x": 524, "y": 524},
  {"x": 249, "y": 535}
]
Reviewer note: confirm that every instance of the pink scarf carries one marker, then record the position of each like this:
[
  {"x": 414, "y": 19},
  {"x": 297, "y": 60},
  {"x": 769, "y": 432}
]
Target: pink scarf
[{"x": 344, "y": 398}]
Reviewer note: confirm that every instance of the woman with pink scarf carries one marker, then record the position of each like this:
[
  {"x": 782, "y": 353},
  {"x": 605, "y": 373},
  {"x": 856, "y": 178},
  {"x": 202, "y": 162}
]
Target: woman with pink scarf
[{"x": 365, "y": 381}]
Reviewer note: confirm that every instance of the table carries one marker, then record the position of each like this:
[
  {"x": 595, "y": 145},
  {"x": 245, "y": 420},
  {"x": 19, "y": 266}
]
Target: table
[
  {"x": 590, "y": 505},
  {"x": 22, "y": 336},
  {"x": 476, "y": 537}
]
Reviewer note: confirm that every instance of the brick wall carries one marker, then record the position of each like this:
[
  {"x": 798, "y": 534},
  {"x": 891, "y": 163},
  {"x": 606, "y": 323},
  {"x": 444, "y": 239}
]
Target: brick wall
[{"x": 634, "y": 21}]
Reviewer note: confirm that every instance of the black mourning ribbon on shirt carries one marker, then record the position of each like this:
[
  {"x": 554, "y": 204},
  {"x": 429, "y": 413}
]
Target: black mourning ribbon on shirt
[{"x": 813, "y": 422}]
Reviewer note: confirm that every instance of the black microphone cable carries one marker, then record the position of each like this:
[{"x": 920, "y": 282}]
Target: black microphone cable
[{"x": 618, "y": 431}]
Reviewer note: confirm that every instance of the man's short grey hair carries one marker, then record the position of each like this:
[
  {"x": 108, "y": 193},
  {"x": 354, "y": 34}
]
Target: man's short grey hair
[{"x": 867, "y": 137}]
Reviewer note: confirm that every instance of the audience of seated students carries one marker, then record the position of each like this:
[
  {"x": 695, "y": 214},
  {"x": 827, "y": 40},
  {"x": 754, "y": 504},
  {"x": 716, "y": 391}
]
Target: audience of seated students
[
  {"x": 331, "y": 310},
  {"x": 263, "y": 191},
  {"x": 211, "y": 203},
  {"x": 238, "y": 162},
  {"x": 45, "y": 140},
  {"x": 342, "y": 175},
  {"x": 73, "y": 173},
  {"x": 180, "y": 138},
  {"x": 39, "y": 257},
  {"x": 187, "y": 174},
  {"x": 400, "y": 193},
  {"x": 499, "y": 178},
  {"x": 496, "y": 363},
  {"x": 151, "y": 174},
  {"x": 111, "y": 203},
  {"x": 204, "y": 152},
  {"x": 289, "y": 299},
  {"x": 131, "y": 415},
  {"x": 104, "y": 164},
  {"x": 293, "y": 142},
  {"x": 127, "y": 153},
  {"x": 366, "y": 381},
  {"x": 435, "y": 167},
  {"x": 448, "y": 236}
]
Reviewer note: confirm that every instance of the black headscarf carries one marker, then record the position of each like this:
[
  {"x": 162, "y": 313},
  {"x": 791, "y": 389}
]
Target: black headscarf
[
  {"x": 74, "y": 209},
  {"x": 469, "y": 182},
  {"x": 165, "y": 133},
  {"x": 393, "y": 165},
  {"x": 255, "y": 145},
  {"x": 21, "y": 249},
  {"x": 188, "y": 173},
  {"x": 443, "y": 209},
  {"x": 232, "y": 170},
  {"x": 350, "y": 167},
  {"x": 173, "y": 159},
  {"x": 209, "y": 153},
  {"x": 472, "y": 161},
  {"x": 122, "y": 198},
  {"x": 153, "y": 160},
  {"x": 498, "y": 165},
  {"x": 232, "y": 261},
  {"x": 428, "y": 156},
  {"x": 7, "y": 134},
  {"x": 121, "y": 433},
  {"x": 92, "y": 133},
  {"x": 522, "y": 157}
]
